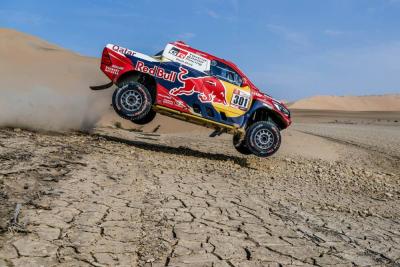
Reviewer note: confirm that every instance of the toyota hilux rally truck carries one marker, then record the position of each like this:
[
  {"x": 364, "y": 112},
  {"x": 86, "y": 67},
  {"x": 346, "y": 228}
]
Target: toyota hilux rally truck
[{"x": 191, "y": 85}]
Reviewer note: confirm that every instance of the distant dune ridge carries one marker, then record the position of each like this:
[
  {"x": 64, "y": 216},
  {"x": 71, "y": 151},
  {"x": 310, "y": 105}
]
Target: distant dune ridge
[{"x": 390, "y": 102}]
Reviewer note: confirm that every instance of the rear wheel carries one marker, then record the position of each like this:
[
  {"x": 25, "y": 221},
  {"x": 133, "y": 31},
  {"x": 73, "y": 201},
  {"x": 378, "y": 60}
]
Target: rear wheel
[
  {"x": 263, "y": 138},
  {"x": 132, "y": 101},
  {"x": 240, "y": 145}
]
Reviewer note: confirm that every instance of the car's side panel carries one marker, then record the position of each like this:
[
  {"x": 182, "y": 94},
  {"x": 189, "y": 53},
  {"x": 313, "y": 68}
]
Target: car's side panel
[
  {"x": 183, "y": 89},
  {"x": 209, "y": 94},
  {"x": 232, "y": 94},
  {"x": 172, "y": 102}
]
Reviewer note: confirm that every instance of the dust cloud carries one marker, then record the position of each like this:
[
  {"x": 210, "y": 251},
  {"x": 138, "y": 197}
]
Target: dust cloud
[
  {"x": 53, "y": 109},
  {"x": 46, "y": 87}
]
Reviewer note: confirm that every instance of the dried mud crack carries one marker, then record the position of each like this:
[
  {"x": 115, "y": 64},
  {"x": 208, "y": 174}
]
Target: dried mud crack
[{"x": 120, "y": 199}]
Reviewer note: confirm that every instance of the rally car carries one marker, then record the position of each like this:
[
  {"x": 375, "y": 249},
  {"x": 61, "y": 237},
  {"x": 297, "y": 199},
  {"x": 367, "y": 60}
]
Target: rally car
[{"x": 191, "y": 85}]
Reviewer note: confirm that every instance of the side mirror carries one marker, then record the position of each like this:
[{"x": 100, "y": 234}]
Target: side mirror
[{"x": 245, "y": 83}]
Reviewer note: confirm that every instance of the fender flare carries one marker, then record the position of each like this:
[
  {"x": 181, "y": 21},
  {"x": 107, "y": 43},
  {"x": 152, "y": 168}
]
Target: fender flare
[
  {"x": 264, "y": 111},
  {"x": 148, "y": 78}
]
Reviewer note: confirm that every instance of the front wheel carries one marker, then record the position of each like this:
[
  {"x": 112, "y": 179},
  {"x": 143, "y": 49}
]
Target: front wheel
[
  {"x": 240, "y": 145},
  {"x": 132, "y": 101},
  {"x": 263, "y": 138}
]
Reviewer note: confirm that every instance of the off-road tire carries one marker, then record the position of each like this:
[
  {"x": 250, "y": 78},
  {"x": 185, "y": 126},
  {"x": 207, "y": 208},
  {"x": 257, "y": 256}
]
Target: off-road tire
[
  {"x": 132, "y": 101},
  {"x": 263, "y": 138},
  {"x": 240, "y": 145},
  {"x": 147, "y": 119}
]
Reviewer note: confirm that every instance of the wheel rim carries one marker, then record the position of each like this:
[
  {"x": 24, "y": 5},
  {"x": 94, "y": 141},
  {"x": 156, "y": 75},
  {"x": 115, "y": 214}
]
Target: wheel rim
[
  {"x": 131, "y": 100},
  {"x": 264, "y": 139}
]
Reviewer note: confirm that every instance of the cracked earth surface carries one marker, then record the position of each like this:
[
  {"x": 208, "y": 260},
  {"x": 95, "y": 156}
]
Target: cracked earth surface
[{"x": 116, "y": 198}]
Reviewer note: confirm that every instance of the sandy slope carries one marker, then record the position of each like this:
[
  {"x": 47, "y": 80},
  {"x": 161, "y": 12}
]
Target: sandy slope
[
  {"x": 45, "y": 86},
  {"x": 28, "y": 61},
  {"x": 350, "y": 103}
]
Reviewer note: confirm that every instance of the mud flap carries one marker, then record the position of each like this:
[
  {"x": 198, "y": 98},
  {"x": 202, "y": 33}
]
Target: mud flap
[{"x": 102, "y": 87}]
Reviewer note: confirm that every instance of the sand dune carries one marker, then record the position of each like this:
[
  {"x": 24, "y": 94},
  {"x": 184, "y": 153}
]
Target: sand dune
[
  {"x": 350, "y": 103},
  {"x": 44, "y": 86}
]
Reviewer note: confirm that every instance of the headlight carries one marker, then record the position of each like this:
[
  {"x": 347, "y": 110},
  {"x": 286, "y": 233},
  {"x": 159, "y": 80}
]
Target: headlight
[{"x": 282, "y": 109}]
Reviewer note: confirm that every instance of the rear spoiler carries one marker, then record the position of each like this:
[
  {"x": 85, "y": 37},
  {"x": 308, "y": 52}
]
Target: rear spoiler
[{"x": 102, "y": 87}]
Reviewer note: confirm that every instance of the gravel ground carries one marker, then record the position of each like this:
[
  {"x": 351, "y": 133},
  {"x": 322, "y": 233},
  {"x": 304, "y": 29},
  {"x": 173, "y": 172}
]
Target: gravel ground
[{"x": 117, "y": 198}]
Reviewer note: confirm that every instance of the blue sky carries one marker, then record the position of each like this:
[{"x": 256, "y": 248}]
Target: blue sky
[{"x": 290, "y": 49}]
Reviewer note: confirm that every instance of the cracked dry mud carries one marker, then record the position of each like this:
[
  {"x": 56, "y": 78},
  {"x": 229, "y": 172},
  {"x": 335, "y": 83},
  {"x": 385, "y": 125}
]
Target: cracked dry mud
[{"x": 116, "y": 198}]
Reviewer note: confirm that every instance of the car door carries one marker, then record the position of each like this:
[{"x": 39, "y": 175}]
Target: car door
[{"x": 230, "y": 97}]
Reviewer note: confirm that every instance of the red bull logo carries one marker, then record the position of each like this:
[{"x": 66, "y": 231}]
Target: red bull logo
[
  {"x": 156, "y": 72},
  {"x": 208, "y": 91}
]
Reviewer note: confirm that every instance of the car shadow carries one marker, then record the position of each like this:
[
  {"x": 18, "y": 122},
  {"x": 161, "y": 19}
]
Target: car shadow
[{"x": 181, "y": 150}]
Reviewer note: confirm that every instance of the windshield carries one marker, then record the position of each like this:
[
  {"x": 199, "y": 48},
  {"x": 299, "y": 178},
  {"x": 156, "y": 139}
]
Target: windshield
[{"x": 224, "y": 72}]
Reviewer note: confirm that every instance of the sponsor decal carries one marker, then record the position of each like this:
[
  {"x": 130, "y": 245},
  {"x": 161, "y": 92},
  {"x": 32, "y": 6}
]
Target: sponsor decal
[
  {"x": 192, "y": 85},
  {"x": 114, "y": 69},
  {"x": 195, "y": 59},
  {"x": 170, "y": 100},
  {"x": 156, "y": 72},
  {"x": 123, "y": 50},
  {"x": 180, "y": 103},
  {"x": 192, "y": 60},
  {"x": 127, "y": 52},
  {"x": 240, "y": 99},
  {"x": 178, "y": 52},
  {"x": 186, "y": 58}
]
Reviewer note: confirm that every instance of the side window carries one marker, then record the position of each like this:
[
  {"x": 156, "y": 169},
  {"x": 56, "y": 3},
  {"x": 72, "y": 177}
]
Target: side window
[{"x": 224, "y": 72}]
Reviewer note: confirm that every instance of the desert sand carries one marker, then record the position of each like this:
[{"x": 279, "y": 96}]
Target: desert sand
[{"x": 174, "y": 197}]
